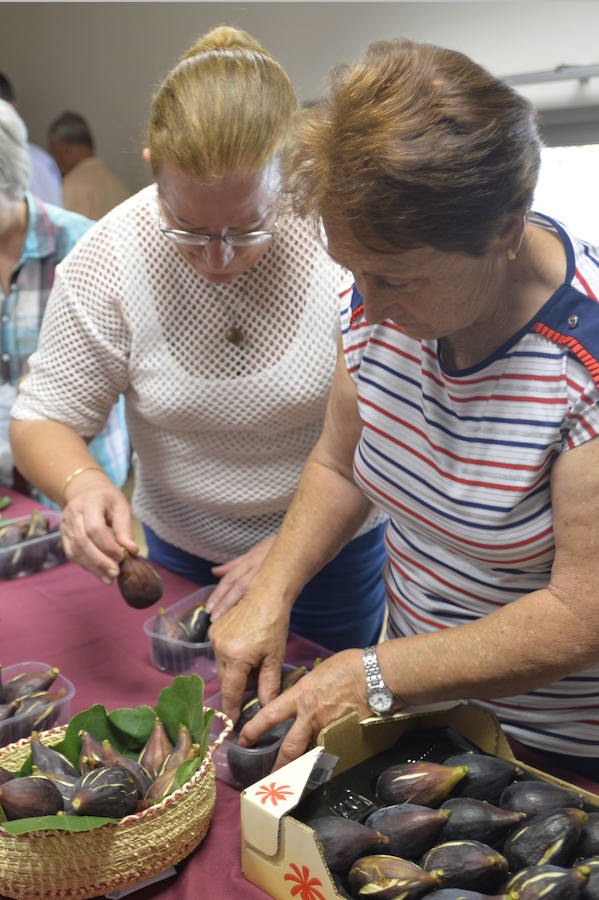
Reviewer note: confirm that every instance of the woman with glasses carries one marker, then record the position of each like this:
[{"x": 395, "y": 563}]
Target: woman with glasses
[{"x": 215, "y": 312}]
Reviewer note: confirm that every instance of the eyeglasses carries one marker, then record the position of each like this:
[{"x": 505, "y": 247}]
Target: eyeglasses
[{"x": 199, "y": 239}]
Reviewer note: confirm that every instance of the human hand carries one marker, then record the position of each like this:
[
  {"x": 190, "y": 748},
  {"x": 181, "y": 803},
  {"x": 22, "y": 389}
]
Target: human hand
[
  {"x": 95, "y": 526},
  {"x": 251, "y": 638},
  {"x": 334, "y": 688},
  {"x": 235, "y": 576}
]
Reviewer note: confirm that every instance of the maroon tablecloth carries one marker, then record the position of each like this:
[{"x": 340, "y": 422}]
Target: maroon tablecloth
[{"x": 65, "y": 617}]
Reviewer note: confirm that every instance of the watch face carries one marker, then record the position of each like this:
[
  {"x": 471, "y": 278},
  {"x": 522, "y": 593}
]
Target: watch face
[{"x": 380, "y": 701}]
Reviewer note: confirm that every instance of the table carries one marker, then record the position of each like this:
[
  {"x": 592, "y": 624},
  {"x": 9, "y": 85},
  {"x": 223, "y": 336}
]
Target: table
[{"x": 67, "y": 618}]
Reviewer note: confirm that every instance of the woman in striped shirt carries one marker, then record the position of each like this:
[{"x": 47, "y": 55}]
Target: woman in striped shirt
[{"x": 465, "y": 405}]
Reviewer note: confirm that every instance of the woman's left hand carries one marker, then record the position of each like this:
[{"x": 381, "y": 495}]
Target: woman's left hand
[
  {"x": 235, "y": 576},
  {"x": 336, "y": 687}
]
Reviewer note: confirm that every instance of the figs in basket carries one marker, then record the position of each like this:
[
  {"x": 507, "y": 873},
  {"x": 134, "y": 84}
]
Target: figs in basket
[
  {"x": 108, "y": 791},
  {"x": 139, "y": 583},
  {"x": 32, "y": 795}
]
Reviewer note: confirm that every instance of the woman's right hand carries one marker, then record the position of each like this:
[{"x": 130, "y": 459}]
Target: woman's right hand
[{"x": 96, "y": 525}]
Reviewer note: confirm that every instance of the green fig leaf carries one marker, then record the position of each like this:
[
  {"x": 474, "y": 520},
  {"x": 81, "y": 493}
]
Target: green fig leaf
[
  {"x": 55, "y": 823},
  {"x": 183, "y": 702},
  {"x": 135, "y": 723},
  {"x": 186, "y": 770}
]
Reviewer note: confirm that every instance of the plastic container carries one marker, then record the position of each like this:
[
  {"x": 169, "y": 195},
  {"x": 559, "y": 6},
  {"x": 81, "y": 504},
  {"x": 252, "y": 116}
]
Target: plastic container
[
  {"x": 17, "y": 727},
  {"x": 241, "y": 766},
  {"x": 177, "y": 656},
  {"x": 30, "y": 554}
]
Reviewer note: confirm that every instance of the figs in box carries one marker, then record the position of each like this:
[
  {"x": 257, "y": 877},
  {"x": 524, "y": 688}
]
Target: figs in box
[
  {"x": 177, "y": 636},
  {"x": 30, "y": 543},
  {"x": 284, "y": 846},
  {"x": 44, "y": 699}
]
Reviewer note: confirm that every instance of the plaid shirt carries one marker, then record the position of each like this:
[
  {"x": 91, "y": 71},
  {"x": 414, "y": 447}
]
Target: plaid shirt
[{"x": 51, "y": 234}]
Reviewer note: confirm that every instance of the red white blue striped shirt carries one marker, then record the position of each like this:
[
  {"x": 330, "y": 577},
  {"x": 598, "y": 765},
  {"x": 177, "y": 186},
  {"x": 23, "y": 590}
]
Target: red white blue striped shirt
[{"x": 460, "y": 460}]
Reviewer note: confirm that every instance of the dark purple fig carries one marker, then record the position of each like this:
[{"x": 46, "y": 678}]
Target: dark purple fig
[
  {"x": 344, "y": 840},
  {"x": 8, "y": 710},
  {"x": 5, "y": 775},
  {"x": 590, "y": 889},
  {"x": 66, "y": 784},
  {"x": 39, "y": 711},
  {"x": 487, "y": 775},
  {"x": 547, "y": 882},
  {"x": 33, "y": 795},
  {"x": 412, "y": 829},
  {"x": 534, "y": 797},
  {"x": 112, "y": 757},
  {"x": 248, "y": 711},
  {"x": 162, "y": 786},
  {"x": 424, "y": 783},
  {"x": 467, "y": 864},
  {"x": 389, "y": 877},
  {"x": 181, "y": 750},
  {"x": 155, "y": 750},
  {"x": 196, "y": 622},
  {"x": 169, "y": 643},
  {"x": 91, "y": 754},
  {"x": 547, "y": 839},
  {"x": 139, "y": 583},
  {"x": 28, "y": 683},
  {"x": 477, "y": 820},
  {"x": 48, "y": 760},
  {"x": 289, "y": 677},
  {"x": 107, "y": 791},
  {"x": 589, "y": 837}
]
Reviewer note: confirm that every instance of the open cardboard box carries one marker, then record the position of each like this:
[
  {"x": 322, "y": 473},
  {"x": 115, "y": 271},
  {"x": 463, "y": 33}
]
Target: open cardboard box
[{"x": 279, "y": 852}]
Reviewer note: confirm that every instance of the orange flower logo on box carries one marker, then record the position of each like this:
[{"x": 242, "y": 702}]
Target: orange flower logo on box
[
  {"x": 274, "y": 793},
  {"x": 304, "y": 887}
]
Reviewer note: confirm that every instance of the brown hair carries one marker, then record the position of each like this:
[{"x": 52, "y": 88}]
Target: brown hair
[
  {"x": 225, "y": 108},
  {"x": 416, "y": 145}
]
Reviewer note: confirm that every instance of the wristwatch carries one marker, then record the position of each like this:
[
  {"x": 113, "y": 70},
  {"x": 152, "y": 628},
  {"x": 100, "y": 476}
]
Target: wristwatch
[{"x": 379, "y": 697}]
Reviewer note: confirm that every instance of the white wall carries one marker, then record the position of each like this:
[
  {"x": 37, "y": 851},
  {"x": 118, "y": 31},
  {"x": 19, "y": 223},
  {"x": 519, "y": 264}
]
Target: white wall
[{"x": 105, "y": 59}]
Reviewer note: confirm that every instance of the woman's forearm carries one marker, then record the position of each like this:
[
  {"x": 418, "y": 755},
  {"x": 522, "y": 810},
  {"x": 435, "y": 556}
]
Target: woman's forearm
[
  {"x": 531, "y": 642},
  {"x": 47, "y": 452}
]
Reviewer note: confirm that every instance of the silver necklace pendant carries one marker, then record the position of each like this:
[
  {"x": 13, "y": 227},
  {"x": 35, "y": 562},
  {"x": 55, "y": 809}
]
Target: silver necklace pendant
[{"x": 233, "y": 335}]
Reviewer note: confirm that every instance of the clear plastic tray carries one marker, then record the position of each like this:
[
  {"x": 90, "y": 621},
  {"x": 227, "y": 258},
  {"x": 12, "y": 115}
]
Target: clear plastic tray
[
  {"x": 241, "y": 766},
  {"x": 176, "y": 656},
  {"x": 17, "y": 727},
  {"x": 31, "y": 554}
]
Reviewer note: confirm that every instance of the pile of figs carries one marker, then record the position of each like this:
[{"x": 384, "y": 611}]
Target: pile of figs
[
  {"x": 105, "y": 782},
  {"x": 29, "y": 544},
  {"x": 175, "y": 640},
  {"x": 467, "y": 828},
  {"x": 28, "y": 703}
]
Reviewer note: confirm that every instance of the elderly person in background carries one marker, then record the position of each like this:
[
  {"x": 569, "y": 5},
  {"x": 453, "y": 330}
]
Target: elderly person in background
[
  {"x": 465, "y": 404},
  {"x": 89, "y": 187},
  {"x": 215, "y": 311},
  {"x": 34, "y": 238},
  {"x": 45, "y": 180}
]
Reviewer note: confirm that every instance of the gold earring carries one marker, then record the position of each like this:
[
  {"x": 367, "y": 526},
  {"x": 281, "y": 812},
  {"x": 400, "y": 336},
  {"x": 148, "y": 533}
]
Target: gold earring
[{"x": 511, "y": 255}]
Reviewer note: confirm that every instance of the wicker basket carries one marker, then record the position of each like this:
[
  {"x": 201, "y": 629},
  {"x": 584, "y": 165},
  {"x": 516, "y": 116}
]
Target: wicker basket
[{"x": 83, "y": 864}]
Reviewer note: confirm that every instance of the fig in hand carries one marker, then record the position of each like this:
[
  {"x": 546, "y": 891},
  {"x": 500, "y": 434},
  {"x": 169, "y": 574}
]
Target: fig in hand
[{"x": 138, "y": 582}]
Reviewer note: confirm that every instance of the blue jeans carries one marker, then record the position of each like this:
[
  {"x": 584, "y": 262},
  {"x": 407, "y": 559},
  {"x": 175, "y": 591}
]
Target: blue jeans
[{"x": 342, "y": 606}]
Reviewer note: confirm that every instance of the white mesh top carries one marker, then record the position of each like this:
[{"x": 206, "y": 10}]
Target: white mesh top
[{"x": 220, "y": 432}]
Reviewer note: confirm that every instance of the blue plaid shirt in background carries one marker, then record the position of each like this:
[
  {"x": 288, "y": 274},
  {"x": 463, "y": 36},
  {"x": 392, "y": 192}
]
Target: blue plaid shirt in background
[{"x": 51, "y": 233}]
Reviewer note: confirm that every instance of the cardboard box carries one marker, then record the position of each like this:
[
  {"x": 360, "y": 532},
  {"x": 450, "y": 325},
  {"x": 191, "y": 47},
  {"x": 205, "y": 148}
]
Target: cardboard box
[{"x": 280, "y": 852}]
